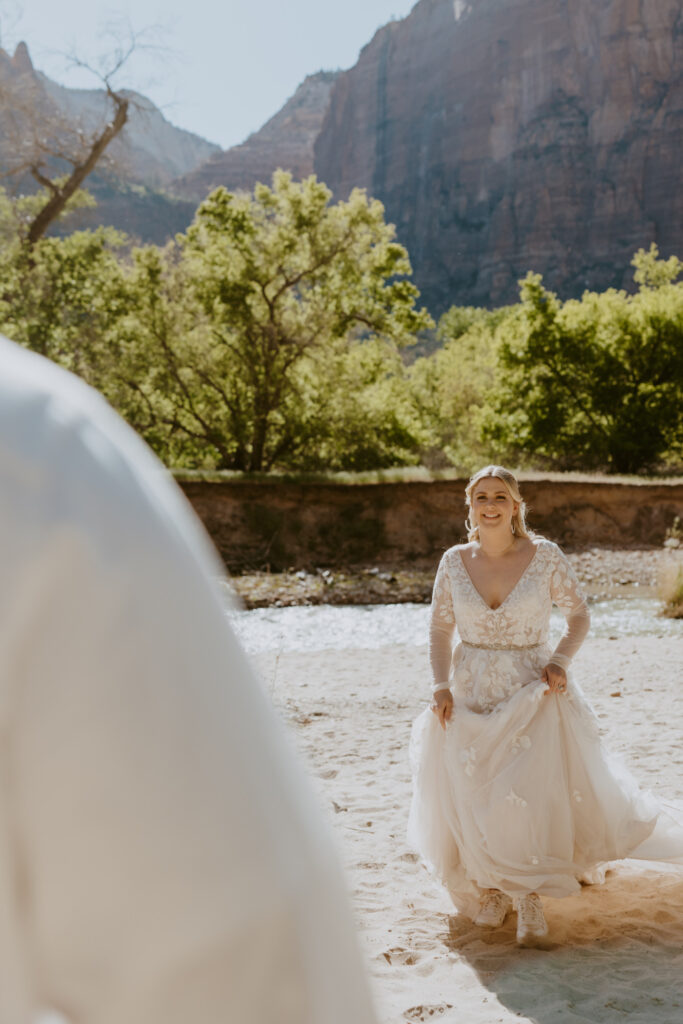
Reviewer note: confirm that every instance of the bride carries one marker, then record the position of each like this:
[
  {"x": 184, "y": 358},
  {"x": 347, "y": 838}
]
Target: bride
[{"x": 514, "y": 796}]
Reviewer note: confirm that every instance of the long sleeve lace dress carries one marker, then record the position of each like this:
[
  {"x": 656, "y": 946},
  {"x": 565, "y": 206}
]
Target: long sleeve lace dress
[{"x": 518, "y": 793}]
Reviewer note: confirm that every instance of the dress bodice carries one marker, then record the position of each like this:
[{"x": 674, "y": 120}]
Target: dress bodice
[
  {"x": 520, "y": 623},
  {"x": 523, "y": 618}
]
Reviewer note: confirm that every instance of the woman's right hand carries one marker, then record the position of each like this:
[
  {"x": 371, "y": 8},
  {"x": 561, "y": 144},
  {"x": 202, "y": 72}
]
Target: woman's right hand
[{"x": 442, "y": 706}]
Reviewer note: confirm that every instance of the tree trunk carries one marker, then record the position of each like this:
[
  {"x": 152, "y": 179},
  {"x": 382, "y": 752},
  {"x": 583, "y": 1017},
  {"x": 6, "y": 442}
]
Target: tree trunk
[{"x": 61, "y": 194}]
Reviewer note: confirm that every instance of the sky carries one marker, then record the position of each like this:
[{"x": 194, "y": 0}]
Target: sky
[{"x": 219, "y": 68}]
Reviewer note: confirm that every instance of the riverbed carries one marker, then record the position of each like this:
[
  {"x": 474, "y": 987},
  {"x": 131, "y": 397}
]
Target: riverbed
[{"x": 368, "y": 627}]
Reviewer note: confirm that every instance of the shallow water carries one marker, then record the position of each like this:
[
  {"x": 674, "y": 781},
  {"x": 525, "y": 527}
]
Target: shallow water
[{"x": 328, "y": 627}]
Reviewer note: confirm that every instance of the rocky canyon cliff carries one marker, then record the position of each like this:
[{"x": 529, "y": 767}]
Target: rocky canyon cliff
[
  {"x": 513, "y": 135},
  {"x": 286, "y": 141}
]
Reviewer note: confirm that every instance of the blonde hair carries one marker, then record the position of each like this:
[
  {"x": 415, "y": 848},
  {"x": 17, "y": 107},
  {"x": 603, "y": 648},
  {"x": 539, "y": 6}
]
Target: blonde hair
[{"x": 519, "y": 527}]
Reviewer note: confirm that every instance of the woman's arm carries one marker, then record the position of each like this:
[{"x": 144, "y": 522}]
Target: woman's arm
[
  {"x": 441, "y": 627},
  {"x": 567, "y": 595}
]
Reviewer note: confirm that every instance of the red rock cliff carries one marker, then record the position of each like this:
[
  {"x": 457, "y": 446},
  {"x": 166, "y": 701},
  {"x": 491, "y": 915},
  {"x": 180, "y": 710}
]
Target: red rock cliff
[
  {"x": 285, "y": 141},
  {"x": 508, "y": 135}
]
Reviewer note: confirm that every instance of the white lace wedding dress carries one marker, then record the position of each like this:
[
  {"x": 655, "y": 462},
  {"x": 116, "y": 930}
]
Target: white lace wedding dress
[{"x": 518, "y": 793}]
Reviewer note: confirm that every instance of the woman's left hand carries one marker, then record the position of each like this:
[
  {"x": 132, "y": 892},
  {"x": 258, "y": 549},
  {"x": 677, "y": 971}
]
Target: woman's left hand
[{"x": 556, "y": 678}]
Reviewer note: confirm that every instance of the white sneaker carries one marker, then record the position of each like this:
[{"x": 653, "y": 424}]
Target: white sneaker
[
  {"x": 531, "y": 924},
  {"x": 493, "y": 909}
]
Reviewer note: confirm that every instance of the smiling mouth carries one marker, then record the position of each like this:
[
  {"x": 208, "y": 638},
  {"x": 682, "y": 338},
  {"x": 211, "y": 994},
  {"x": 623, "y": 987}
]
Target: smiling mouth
[{"x": 494, "y": 515}]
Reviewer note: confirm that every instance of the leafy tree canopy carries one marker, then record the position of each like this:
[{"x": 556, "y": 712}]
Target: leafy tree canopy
[
  {"x": 596, "y": 382},
  {"x": 270, "y": 325}
]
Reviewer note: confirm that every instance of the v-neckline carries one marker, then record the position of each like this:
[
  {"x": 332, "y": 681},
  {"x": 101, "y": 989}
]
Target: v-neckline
[{"x": 510, "y": 592}]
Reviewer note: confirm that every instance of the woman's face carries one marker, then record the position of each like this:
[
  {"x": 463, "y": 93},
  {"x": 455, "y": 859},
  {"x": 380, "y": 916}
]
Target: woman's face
[{"x": 492, "y": 505}]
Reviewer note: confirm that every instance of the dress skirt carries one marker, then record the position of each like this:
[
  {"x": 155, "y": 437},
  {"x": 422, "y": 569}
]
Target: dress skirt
[{"x": 522, "y": 795}]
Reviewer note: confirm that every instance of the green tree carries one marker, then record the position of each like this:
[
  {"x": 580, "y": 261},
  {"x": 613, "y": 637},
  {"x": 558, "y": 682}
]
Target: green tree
[
  {"x": 360, "y": 415},
  {"x": 596, "y": 382},
  {"x": 651, "y": 272},
  {"x": 58, "y": 297},
  {"x": 255, "y": 319},
  {"x": 451, "y": 388}
]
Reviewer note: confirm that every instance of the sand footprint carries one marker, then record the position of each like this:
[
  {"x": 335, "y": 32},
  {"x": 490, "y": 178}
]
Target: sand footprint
[
  {"x": 420, "y": 1013},
  {"x": 412, "y": 858},
  {"x": 398, "y": 955}
]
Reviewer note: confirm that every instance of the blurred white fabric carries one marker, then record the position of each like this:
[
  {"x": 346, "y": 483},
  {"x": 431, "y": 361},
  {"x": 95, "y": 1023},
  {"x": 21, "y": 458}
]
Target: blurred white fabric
[{"x": 161, "y": 856}]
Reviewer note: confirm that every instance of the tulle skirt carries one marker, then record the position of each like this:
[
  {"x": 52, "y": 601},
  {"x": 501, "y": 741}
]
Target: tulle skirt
[{"x": 525, "y": 798}]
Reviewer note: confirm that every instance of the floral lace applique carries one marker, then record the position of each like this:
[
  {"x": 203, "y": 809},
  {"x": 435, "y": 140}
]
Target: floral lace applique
[
  {"x": 565, "y": 589},
  {"x": 468, "y": 758},
  {"x": 442, "y": 595},
  {"x": 520, "y": 742},
  {"x": 513, "y": 798}
]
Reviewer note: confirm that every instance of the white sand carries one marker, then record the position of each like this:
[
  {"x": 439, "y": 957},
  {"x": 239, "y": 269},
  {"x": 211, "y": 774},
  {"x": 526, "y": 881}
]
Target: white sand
[{"x": 615, "y": 951}]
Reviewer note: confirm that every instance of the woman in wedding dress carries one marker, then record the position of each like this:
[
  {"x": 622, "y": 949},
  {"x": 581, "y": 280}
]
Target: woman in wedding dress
[{"x": 514, "y": 796}]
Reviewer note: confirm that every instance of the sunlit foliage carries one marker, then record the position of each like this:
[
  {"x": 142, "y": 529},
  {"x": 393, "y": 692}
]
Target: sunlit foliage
[
  {"x": 597, "y": 382},
  {"x": 272, "y": 336}
]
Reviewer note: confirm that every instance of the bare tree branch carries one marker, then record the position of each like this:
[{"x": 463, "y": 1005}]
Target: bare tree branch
[
  {"x": 43, "y": 180},
  {"x": 55, "y": 148},
  {"x": 62, "y": 194}
]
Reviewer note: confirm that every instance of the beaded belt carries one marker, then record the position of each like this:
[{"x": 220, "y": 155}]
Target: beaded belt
[{"x": 502, "y": 647}]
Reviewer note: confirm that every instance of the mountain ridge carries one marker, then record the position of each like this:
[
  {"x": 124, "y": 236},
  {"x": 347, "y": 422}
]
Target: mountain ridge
[
  {"x": 130, "y": 180},
  {"x": 152, "y": 150},
  {"x": 502, "y": 136},
  {"x": 285, "y": 140}
]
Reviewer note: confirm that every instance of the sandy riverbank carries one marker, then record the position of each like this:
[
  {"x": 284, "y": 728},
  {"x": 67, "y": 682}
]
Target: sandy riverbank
[{"x": 616, "y": 951}]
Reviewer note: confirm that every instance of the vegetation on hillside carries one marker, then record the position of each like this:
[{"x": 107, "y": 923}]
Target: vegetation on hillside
[{"x": 272, "y": 335}]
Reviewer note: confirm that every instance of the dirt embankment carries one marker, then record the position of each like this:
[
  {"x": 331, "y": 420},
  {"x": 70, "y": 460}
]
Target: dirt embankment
[{"x": 276, "y": 526}]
